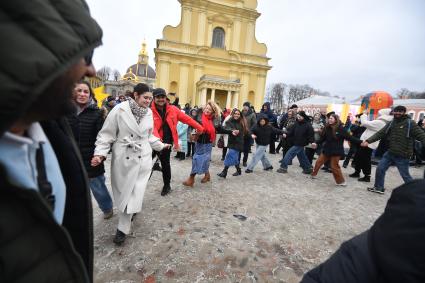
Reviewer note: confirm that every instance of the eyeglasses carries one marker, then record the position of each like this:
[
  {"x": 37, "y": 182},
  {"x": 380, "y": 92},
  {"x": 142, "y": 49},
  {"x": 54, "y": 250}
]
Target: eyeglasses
[{"x": 88, "y": 58}]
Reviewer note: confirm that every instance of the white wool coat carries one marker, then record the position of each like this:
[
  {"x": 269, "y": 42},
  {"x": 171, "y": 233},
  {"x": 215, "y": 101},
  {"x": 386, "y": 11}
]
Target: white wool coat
[
  {"x": 131, "y": 162},
  {"x": 375, "y": 125}
]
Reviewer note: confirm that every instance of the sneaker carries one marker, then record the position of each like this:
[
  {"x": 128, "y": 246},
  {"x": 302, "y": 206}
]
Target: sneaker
[
  {"x": 313, "y": 177},
  {"x": 344, "y": 184},
  {"x": 282, "y": 170},
  {"x": 108, "y": 214},
  {"x": 376, "y": 190},
  {"x": 119, "y": 238},
  {"x": 248, "y": 171},
  {"x": 308, "y": 171},
  {"x": 354, "y": 175},
  {"x": 268, "y": 168}
]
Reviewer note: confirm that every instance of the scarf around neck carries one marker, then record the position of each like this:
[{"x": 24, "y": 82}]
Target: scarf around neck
[
  {"x": 208, "y": 124},
  {"x": 138, "y": 111}
]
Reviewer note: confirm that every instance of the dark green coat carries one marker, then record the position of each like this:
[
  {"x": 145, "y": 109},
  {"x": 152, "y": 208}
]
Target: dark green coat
[
  {"x": 235, "y": 142},
  {"x": 43, "y": 39},
  {"x": 401, "y": 135}
]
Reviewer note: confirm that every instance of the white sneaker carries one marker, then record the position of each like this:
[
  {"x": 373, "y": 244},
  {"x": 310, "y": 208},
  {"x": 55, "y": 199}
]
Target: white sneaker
[
  {"x": 313, "y": 177},
  {"x": 342, "y": 184}
]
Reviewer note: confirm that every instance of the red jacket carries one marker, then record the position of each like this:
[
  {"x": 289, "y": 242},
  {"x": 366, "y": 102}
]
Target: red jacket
[{"x": 172, "y": 116}]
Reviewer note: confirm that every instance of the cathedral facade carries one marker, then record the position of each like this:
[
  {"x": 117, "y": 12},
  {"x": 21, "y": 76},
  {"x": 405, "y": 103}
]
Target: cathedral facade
[{"x": 213, "y": 54}]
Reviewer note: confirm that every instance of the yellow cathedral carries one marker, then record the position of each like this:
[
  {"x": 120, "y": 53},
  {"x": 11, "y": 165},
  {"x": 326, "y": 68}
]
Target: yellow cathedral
[{"x": 213, "y": 54}]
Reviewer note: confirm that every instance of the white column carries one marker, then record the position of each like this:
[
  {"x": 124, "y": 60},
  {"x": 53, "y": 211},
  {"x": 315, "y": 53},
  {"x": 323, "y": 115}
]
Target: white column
[
  {"x": 202, "y": 21},
  {"x": 210, "y": 33},
  {"x": 236, "y": 34},
  {"x": 213, "y": 94},
  {"x": 236, "y": 99},
  {"x": 183, "y": 83},
  {"x": 204, "y": 96},
  {"x": 249, "y": 37},
  {"x": 186, "y": 24},
  {"x": 229, "y": 99},
  {"x": 228, "y": 37}
]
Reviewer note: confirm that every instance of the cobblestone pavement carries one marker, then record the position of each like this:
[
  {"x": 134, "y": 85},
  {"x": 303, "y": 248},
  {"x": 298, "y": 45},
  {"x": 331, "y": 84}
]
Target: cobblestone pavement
[{"x": 292, "y": 224}]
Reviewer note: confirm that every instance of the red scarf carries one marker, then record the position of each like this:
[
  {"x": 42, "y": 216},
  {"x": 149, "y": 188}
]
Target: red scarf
[{"x": 208, "y": 124}]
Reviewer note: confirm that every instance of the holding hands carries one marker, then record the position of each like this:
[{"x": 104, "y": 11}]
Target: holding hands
[
  {"x": 364, "y": 144},
  {"x": 253, "y": 136},
  {"x": 96, "y": 160},
  {"x": 235, "y": 132}
]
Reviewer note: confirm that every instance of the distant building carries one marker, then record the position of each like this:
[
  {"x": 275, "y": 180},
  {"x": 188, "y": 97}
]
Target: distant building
[
  {"x": 213, "y": 54},
  {"x": 140, "y": 72}
]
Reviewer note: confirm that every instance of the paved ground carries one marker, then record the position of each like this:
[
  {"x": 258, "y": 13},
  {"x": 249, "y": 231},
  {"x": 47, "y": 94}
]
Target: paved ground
[{"x": 292, "y": 224}]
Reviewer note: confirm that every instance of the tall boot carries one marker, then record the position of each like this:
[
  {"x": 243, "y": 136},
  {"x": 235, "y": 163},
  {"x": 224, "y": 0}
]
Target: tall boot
[
  {"x": 190, "y": 181},
  {"x": 206, "y": 178},
  {"x": 238, "y": 171},
  {"x": 223, "y": 155},
  {"x": 223, "y": 174}
]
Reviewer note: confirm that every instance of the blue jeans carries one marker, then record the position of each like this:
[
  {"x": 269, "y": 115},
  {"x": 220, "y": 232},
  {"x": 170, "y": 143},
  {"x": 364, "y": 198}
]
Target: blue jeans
[
  {"x": 260, "y": 154},
  {"x": 386, "y": 161},
  {"x": 298, "y": 151},
  {"x": 100, "y": 193}
]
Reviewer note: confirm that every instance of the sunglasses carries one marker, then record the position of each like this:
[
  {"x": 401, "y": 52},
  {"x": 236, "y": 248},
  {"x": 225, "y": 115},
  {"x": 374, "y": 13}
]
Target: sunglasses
[{"x": 88, "y": 58}]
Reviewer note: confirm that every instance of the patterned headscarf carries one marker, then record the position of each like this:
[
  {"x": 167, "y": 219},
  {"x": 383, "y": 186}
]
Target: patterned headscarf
[{"x": 138, "y": 111}]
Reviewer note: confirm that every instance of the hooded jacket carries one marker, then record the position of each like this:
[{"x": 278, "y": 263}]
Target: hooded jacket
[
  {"x": 45, "y": 38},
  {"x": 302, "y": 133},
  {"x": 392, "y": 251},
  {"x": 264, "y": 133}
]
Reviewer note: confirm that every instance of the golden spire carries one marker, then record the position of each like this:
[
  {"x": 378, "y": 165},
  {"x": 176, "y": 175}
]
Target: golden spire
[{"x": 144, "y": 50}]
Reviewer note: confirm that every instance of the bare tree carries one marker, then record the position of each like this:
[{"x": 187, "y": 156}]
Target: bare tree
[
  {"x": 104, "y": 73},
  {"x": 116, "y": 75},
  {"x": 404, "y": 93},
  {"x": 276, "y": 96}
]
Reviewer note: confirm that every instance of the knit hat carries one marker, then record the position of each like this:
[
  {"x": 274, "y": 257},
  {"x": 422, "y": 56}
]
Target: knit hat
[
  {"x": 247, "y": 104},
  {"x": 400, "y": 108},
  {"x": 293, "y": 106},
  {"x": 159, "y": 92},
  {"x": 304, "y": 115}
]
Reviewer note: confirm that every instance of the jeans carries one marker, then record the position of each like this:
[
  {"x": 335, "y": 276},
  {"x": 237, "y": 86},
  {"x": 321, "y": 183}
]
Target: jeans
[
  {"x": 298, "y": 151},
  {"x": 260, "y": 154},
  {"x": 386, "y": 161},
  {"x": 100, "y": 193}
]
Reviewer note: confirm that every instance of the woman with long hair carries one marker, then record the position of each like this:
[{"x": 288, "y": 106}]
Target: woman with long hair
[
  {"x": 236, "y": 128},
  {"x": 129, "y": 130},
  {"x": 209, "y": 118},
  {"x": 332, "y": 139}
]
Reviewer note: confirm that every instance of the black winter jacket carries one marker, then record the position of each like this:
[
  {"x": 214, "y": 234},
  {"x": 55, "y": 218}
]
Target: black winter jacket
[
  {"x": 392, "y": 251},
  {"x": 264, "y": 133},
  {"x": 301, "y": 134},
  {"x": 235, "y": 142},
  {"x": 48, "y": 38},
  {"x": 85, "y": 128},
  {"x": 334, "y": 145}
]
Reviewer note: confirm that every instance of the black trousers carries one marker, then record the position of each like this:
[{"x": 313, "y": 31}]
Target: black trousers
[
  {"x": 247, "y": 142},
  {"x": 190, "y": 148},
  {"x": 363, "y": 159},
  {"x": 351, "y": 152},
  {"x": 164, "y": 158}
]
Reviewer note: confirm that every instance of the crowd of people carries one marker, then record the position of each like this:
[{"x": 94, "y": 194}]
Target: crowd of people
[{"x": 54, "y": 141}]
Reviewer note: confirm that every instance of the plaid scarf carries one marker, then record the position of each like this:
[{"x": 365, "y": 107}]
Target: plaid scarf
[{"x": 138, "y": 112}]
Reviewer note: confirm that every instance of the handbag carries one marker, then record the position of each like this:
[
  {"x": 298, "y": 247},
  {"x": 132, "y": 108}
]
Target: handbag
[{"x": 220, "y": 142}]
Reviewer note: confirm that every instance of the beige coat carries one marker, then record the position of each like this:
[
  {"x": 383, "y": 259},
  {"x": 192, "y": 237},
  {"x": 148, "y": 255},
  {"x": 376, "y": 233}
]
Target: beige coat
[
  {"x": 131, "y": 162},
  {"x": 374, "y": 126}
]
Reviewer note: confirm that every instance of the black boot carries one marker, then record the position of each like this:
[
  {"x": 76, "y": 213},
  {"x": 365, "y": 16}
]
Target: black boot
[
  {"x": 366, "y": 178},
  {"x": 166, "y": 190},
  {"x": 223, "y": 173},
  {"x": 238, "y": 171},
  {"x": 119, "y": 238}
]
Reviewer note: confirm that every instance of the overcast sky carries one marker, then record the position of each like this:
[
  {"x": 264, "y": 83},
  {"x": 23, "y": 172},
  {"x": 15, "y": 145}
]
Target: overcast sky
[{"x": 346, "y": 47}]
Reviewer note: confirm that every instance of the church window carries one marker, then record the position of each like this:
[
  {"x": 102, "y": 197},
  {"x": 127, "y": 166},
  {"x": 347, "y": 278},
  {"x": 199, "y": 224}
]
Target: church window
[{"x": 218, "y": 38}]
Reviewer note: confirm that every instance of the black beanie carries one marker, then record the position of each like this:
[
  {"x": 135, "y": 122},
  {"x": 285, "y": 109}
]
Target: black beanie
[
  {"x": 400, "y": 108},
  {"x": 304, "y": 115},
  {"x": 247, "y": 104},
  {"x": 159, "y": 92},
  {"x": 293, "y": 106}
]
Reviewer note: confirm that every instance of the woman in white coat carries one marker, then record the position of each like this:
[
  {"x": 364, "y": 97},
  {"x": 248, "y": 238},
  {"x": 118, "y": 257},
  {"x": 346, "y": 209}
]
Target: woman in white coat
[
  {"x": 363, "y": 157},
  {"x": 128, "y": 129}
]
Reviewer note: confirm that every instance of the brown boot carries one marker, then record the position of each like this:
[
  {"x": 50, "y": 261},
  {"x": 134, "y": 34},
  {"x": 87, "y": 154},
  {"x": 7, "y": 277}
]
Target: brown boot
[
  {"x": 206, "y": 178},
  {"x": 190, "y": 181}
]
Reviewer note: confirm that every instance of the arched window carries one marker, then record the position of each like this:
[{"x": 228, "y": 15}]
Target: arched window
[{"x": 218, "y": 38}]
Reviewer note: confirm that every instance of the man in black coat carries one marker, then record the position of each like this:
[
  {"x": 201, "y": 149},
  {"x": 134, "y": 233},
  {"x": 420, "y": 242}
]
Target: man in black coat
[
  {"x": 86, "y": 124},
  {"x": 302, "y": 134},
  {"x": 46, "y": 229},
  {"x": 392, "y": 251}
]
